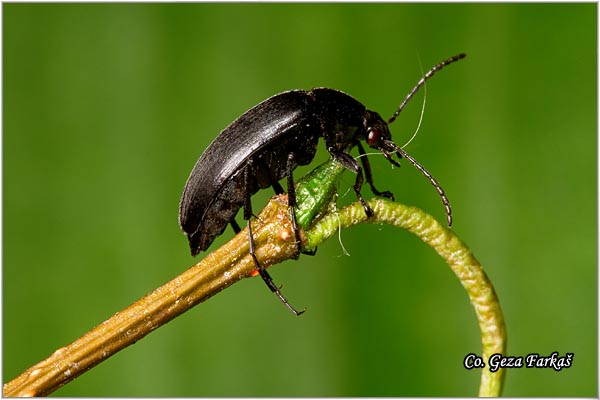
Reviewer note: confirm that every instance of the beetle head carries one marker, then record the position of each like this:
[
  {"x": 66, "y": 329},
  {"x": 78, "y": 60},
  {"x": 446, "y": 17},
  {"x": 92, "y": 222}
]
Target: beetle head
[{"x": 378, "y": 136}]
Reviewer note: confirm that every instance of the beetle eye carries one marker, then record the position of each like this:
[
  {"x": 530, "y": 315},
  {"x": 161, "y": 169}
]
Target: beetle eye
[{"x": 373, "y": 137}]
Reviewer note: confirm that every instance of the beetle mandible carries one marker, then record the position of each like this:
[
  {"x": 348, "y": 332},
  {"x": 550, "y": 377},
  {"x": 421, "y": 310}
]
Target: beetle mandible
[{"x": 268, "y": 142}]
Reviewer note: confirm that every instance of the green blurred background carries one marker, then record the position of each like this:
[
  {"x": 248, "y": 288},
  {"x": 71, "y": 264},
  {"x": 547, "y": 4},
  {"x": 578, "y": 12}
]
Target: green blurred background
[{"x": 107, "y": 107}]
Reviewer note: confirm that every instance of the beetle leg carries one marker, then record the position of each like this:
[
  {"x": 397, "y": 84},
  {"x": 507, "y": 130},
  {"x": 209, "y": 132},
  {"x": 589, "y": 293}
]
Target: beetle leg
[
  {"x": 267, "y": 279},
  {"x": 277, "y": 188},
  {"x": 235, "y": 226},
  {"x": 292, "y": 201},
  {"x": 350, "y": 163},
  {"x": 367, "y": 167},
  {"x": 263, "y": 272}
]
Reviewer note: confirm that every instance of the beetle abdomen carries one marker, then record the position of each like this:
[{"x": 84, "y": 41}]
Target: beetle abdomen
[{"x": 217, "y": 215}]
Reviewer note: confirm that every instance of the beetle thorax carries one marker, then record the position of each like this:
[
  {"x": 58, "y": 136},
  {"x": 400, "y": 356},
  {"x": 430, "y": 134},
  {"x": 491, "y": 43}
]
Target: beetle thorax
[{"x": 344, "y": 137}]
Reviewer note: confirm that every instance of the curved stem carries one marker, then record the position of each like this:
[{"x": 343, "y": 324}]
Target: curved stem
[{"x": 458, "y": 256}]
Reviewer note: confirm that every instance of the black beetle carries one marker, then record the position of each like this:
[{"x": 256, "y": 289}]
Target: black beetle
[{"x": 268, "y": 142}]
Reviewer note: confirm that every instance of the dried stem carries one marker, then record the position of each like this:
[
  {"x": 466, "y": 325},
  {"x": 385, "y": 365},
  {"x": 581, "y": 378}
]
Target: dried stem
[{"x": 225, "y": 266}]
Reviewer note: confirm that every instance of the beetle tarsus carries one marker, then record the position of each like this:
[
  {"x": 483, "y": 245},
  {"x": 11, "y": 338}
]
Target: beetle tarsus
[
  {"x": 269, "y": 281},
  {"x": 266, "y": 277},
  {"x": 310, "y": 252}
]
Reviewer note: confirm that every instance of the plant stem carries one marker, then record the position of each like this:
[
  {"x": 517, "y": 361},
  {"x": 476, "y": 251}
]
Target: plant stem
[{"x": 274, "y": 242}]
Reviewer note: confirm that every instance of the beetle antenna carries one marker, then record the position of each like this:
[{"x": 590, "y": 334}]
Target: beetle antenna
[
  {"x": 420, "y": 117},
  {"x": 401, "y": 153},
  {"x": 422, "y": 81}
]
